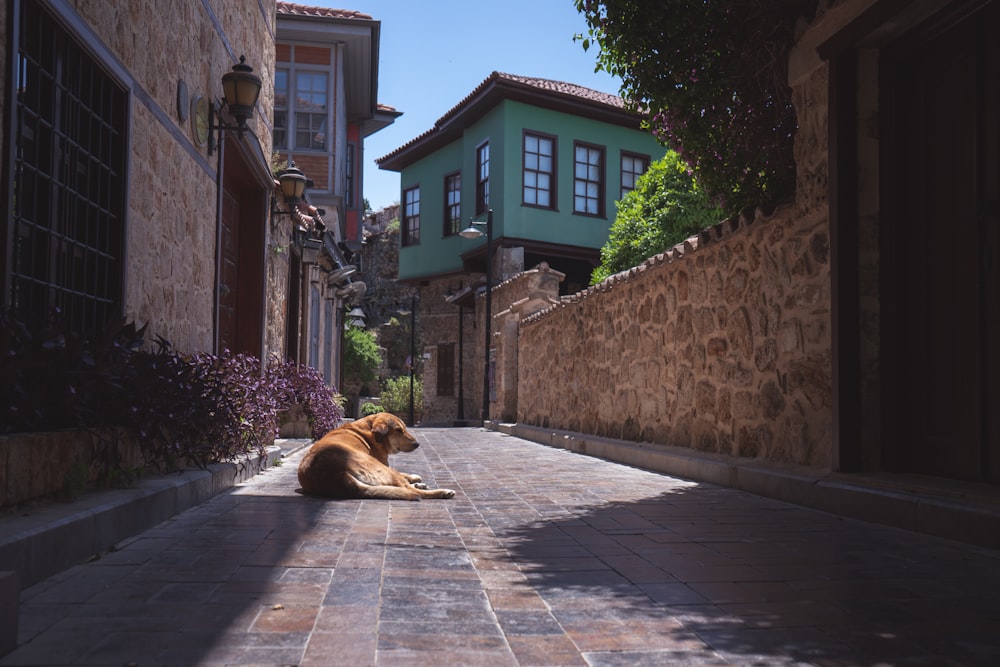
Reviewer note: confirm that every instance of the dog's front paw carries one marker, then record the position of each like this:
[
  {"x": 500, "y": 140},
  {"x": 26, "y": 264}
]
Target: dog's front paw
[
  {"x": 420, "y": 485},
  {"x": 446, "y": 493}
]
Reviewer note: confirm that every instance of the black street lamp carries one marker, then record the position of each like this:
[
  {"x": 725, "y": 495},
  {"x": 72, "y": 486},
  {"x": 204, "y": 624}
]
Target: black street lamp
[
  {"x": 413, "y": 349},
  {"x": 471, "y": 232}
]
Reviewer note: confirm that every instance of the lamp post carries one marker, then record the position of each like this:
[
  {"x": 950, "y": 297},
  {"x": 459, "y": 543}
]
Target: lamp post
[
  {"x": 472, "y": 232},
  {"x": 413, "y": 348}
]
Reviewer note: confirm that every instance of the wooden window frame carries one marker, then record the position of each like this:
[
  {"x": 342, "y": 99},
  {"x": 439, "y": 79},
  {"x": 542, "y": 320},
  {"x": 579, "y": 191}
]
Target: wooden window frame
[
  {"x": 635, "y": 175},
  {"x": 409, "y": 227},
  {"x": 529, "y": 170},
  {"x": 281, "y": 106},
  {"x": 295, "y": 112},
  {"x": 452, "y": 208},
  {"x": 483, "y": 177},
  {"x": 601, "y": 181}
]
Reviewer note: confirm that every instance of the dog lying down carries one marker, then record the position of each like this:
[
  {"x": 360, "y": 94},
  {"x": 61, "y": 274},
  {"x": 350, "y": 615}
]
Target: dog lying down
[{"x": 353, "y": 462}]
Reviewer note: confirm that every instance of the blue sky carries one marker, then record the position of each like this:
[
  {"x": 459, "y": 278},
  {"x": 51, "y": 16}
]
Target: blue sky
[{"x": 435, "y": 52}]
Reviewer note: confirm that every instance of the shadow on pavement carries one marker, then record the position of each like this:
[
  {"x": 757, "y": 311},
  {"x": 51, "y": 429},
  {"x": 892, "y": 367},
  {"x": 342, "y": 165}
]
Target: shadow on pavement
[{"x": 758, "y": 580}]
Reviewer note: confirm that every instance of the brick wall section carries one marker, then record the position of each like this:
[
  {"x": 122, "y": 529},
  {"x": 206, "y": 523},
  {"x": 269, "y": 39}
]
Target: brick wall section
[{"x": 721, "y": 345}]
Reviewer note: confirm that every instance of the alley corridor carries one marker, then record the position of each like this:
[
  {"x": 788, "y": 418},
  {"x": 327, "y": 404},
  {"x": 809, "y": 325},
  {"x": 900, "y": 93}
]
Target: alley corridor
[{"x": 544, "y": 557}]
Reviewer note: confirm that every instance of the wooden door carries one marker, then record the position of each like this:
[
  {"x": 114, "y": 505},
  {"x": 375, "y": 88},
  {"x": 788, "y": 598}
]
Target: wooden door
[
  {"x": 942, "y": 287},
  {"x": 241, "y": 256}
]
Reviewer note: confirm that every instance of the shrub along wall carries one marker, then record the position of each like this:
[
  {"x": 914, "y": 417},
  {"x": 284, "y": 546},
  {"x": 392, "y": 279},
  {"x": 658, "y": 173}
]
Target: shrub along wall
[{"x": 721, "y": 344}]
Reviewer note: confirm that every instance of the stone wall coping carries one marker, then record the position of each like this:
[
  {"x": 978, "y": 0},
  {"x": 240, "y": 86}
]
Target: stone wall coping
[{"x": 543, "y": 267}]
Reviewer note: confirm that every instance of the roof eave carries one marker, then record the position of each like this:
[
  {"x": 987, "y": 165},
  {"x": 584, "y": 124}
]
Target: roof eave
[
  {"x": 487, "y": 97},
  {"x": 360, "y": 38}
]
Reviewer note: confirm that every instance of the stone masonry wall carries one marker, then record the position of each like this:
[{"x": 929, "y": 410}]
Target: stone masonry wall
[
  {"x": 439, "y": 324},
  {"x": 172, "y": 190},
  {"x": 721, "y": 345}
]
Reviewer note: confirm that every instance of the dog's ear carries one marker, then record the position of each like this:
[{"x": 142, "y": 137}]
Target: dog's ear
[{"x": 380, "y": 424}]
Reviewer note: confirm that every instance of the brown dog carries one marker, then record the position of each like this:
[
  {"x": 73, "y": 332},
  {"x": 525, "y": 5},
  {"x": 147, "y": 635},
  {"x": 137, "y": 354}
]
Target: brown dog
[{"x": 353, "y": 462}]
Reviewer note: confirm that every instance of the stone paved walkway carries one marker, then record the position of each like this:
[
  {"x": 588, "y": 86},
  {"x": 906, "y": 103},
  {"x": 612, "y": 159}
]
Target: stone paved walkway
[{"x": 544, "y": 557}]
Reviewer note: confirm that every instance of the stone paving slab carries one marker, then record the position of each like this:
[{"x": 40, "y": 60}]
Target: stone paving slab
[{"x": 544, "y": 557}]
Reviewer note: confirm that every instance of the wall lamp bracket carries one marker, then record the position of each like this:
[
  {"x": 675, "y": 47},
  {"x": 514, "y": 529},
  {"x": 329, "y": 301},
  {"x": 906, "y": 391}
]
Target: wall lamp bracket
[{"x": 240, "y": 90}]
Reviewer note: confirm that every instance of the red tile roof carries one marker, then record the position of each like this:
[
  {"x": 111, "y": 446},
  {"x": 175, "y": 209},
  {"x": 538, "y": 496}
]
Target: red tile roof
[
  {"x": 294, "y": 9},
  {"x": 558, "y": 87},
  {"x": 559, "y": 95}
]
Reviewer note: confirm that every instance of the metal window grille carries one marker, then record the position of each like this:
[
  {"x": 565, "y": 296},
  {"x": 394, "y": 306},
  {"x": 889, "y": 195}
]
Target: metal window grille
[{"x": 68, "y": 211}]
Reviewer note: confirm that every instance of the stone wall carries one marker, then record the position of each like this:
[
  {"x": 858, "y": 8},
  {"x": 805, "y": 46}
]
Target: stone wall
[
  {"x": 171, "y": 235},
  {"x": 58, "y": 464},
  {"x": 444, "y": 323},
  {"x": 519, "y": 297},
  {"x": 721, "y": 344},
  {"x": 276, "y": 310},
  {"x": 171, "y": 240}
]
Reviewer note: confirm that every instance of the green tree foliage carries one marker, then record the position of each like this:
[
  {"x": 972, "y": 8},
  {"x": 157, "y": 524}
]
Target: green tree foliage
[
  {"x": 713, "y": 76},
  {"x": 361, "y": 354},
  {"x": 666, "y": 207}
]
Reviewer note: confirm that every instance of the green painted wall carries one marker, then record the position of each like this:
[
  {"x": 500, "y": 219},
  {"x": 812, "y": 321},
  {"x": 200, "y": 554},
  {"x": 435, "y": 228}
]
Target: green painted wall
[{"x": 503, "y": 127}]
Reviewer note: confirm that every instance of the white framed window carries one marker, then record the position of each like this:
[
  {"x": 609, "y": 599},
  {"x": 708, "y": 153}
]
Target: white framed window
[
  {"x": 410, "y": 226},
  {"x": 588, "y": 179},
  {"x": 539, "y": 170},
  {"x": 301, "y": 108},
  {"x": 633, "y": 166}
]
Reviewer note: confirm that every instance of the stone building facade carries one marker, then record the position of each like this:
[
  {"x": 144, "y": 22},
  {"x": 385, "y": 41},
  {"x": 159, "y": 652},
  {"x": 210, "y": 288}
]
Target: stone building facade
[
  {"x": 152, "y": 202},
  {"x": 720, "y": 345},
  {"x": 837, "y": 334},
  {"x": 171, "y": 189}
]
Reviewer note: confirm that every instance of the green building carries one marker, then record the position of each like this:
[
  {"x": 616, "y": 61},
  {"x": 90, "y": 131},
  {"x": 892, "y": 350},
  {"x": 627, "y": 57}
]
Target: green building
[
  {"x": 545, "y": 161},
  {"x": 549, "y": 158}
]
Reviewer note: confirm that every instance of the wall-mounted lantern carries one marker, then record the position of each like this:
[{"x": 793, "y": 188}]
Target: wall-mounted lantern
[
  {"x": 240, "y": 90},
  {"x": 292, "y": 183}
]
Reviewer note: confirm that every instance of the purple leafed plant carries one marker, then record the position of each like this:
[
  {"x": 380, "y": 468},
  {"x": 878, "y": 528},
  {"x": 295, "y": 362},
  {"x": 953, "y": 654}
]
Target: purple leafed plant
[{"x": 179, "y": 409}]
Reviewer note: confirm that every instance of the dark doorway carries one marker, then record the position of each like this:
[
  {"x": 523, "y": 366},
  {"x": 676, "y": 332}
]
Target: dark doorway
[
  {"x": 941, "y": 248},
  {"x": 241, "y": 259}
]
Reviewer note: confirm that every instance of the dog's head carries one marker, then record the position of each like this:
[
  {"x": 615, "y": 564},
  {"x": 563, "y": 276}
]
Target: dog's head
[{"x": 389, "y": 431}]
